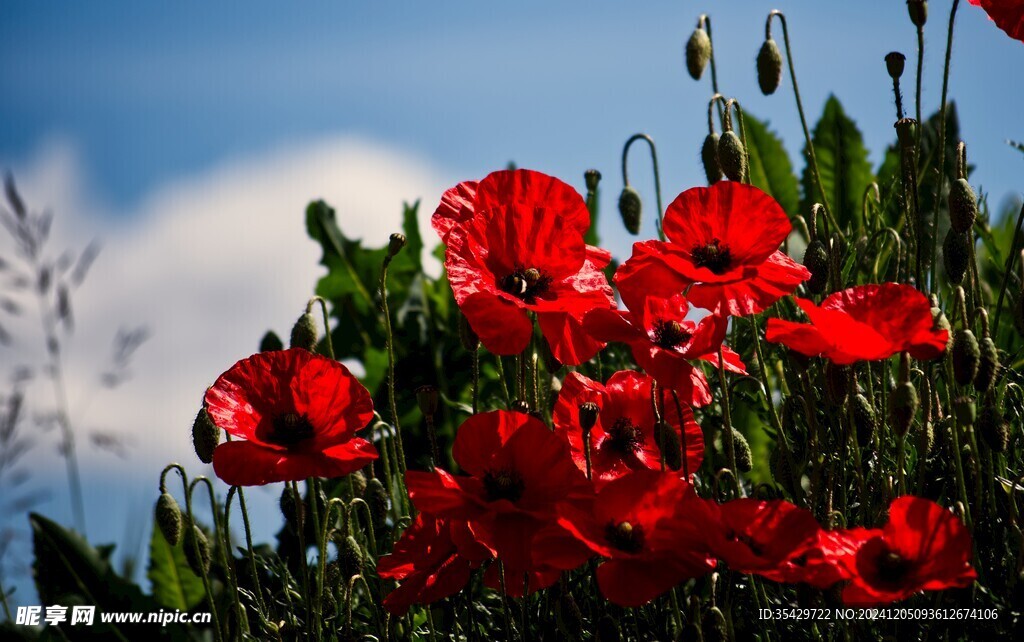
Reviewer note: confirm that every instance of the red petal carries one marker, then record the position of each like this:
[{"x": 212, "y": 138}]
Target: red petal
[
  {"x": 456, "y": 207},
  {"x": 247, "y": 463}
]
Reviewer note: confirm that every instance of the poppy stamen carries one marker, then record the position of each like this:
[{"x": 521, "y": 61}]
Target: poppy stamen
[
  {"x": 289, "y": 429},
  {"x": 624, "y": 437},
  {"x": 527, "y": 284},
  {"x": 714, "y": 256},
  {"x": 625, "y": 537},
  {"x": 669, "y": 334},
  {"x": 503, "y": 484},
  {"x": 892, "y": 567}
]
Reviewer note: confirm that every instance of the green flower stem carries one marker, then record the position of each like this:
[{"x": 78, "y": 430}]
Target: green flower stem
[
  {"x": 300, "y": 529},
  {"x": 205, "y": 576},
  {"x": 222, "y": 539},
  {"x": 327, "y": 322},
  {"x": 657, "y": 174},
  {"x": 249, "y": 548},
  {"x": 390, "y": 345},
  {"x": 730, "y": 447},
  {"x": 917, "y": 95},
  {"x": 942, "y": 145},
  {"x": 803, "y": 119},
  {"x": 705, "y": 21},
  {"x": 313, "y": 489}
]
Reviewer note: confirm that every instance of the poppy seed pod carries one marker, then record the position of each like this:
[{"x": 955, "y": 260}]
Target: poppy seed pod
[
  {"x": 591, "y": 177},
  {"x": 427, "y": 399},
  {"x": 988, "y": 362},
  {"x": 769, "y": 67},
  {"x": 993, "y": 427},
  {"x": 816, "y": 261},
  {"x": 698, "y": 52},
  {"x": 205, "y": 436},
  {"x": 395, "y": 244},
  {"x": 304, "y": 333},
  {"x": 669, "y": 445},
  {"x": 744, "y": 458},
  {"x": 894, "y": 63},
  {"x": 709, "y": 158},
  {"x": 197, "y": 552},
  {"x": 588, "y": 412},
  {"x": 903, "y": 403},
  {"x": 963, "y": 205},
  {"x": 863, "y": 419},
  {"x": 376, "y": 497},
  {"x": 906, "y": 132},
  {"x": 168, "y": 518},
  {"x": 956, "y": 250},
  {"x": 918, "y": 10},
  {"x": 732, "y": 157},
  {"x": 630, "y": 208},
  {"x": 966, "y": 355}
]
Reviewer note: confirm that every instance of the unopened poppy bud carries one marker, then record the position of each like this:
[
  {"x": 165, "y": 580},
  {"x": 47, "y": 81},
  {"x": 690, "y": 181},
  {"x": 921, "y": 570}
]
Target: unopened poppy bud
[
  {"x": 395, "y": 244},
  {"x": 607, "y": 629},
  {"x": 956, "y": 250},
  {"x": 427, "y": 399},
  {"x": 205, "y": 436},
  {"x": 894, "y": 63},
  {"x": 271, "y": 342},
  {"x": 358, "y": 480},
  {"x": 698, "y": 52},
  {"x": 168, "y": 518},
  {"x": 993, "y": 427},
  {"x": 376, "y": 497},
  {"x": 966, "y": 356},
  {"x": 965, "y": 410},
  {"x": 668, "y": 442},
  {"x": 709, "y": 158},
  {"x": 817, "y": 263},
  {"x": 963, "y": 205},
  {"x": 940, "y": 322},
  {"x": 291, "y": 507},
  {"x": 769, "y": 67},
  {"x": 925, "y": 439},
  {"x": 588, "y": 412},
  {"x": 630, "y": 208},
  {"x": 903, "y": 404},
  {"x": 713, "y": 626},
  {"x": 732, "y": 156},
  {"x": 351, "y": 557},
  {"x": 988, "y": 363},
  {"x": 837, "y": 383},
  {"x": 568, "y": 616},
  {"x": 592, "y": 177},
  {"x": 197, "y": 552},
  {"x": 906, "y": 132},
  {"x": 918, "y": 10},
  {"x": 744, "y": 458},
  {"x": 863, "y": 419},
  {"x": 304, "y": 333},
  {"x": 469, "y": 340}
]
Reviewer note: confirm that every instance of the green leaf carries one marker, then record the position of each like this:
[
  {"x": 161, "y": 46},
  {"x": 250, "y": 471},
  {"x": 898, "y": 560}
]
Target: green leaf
[
  {"x": 175, "y": 586},
  {"x": 842, "y": 163},
  {"x": 770, "y": 167}
]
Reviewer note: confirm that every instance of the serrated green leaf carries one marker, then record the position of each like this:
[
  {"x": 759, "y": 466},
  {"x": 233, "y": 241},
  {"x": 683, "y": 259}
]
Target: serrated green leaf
[
  {"x": 770, "y": 167},
  {"x": 842, "y": 163},
  {"x": 175, "y": 586}
]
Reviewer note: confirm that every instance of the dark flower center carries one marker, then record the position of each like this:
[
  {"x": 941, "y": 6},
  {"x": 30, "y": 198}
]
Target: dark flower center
[
  {"x": 625, "y": 537},
  {"x": 892, "y": 567},
  {"x": 746, "y": 540},
  {"x": 288, "y": 430},
  {"x": 669, "y": 334},
  {"x": 624, "y": 437},
  {"x": 714, "y": 256},
  {"x": 503, "y": 484},
  {"x": 527, "y": 284}
]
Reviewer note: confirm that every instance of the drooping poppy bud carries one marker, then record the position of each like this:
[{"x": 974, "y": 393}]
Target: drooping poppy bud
[
  {"x": 205, "y": 436},
  {"x": 904, "y": 400},
  {"x": 993, "y": 427},
  {"x": 271, "y": 342},
  {"x": 732, "y": 157},
  {"x": 197, "y": 552},
  {"x": 669, "y": 444},
  {"x": 863, "y": 419},
  {"x": 698, "y": 52},
  {"x": 956, "y": 250},
  {"x": 966, "y": 355},
  {"x": 965, "y": 410},
  {"x": 351, "y": 557},
  {"x": 709, "y": 158},
  {"x": 817, "y": 263},
  {"x": 376, "y": 497},
  {"x": 714, "y": 627},
  {"x": 963, "y": 205},
  {"x": 837, "y": 383},
  {"x": 630, "y": 209},
  {"x": 568, "y": 616},
  {"x": 168, "y": 518},
  {"x": 291, "y": 506},
  {"x": 769, "y": 67},
  {"x": 939, "y": 320},
  {"x": 988, "y": 363},
  {"x": 744, "y": 458},
  {"x": 304, "y": 333}
]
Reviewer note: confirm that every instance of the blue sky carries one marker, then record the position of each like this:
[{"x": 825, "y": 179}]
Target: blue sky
[{"x": 148, "y": 120}]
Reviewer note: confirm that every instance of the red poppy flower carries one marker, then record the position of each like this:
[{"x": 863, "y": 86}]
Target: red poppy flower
[
  {"x": 664, "y": 341},
  {"x": 295, "y": 414},
  {"x": 1007, "y": 14},
  {"x": 923, "y": 547},
  {"x": 774, "y": 539},
  {"x": 514, "y": 247},
  {"x": 623, "y": 438},
  {"x": 648, "y": 527},
  {"x": 864, "y": 323},
  {"x": 723, "y": 250},
  {"x": 519, "y": 473},
  {"x": 433, "y": 560}
]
